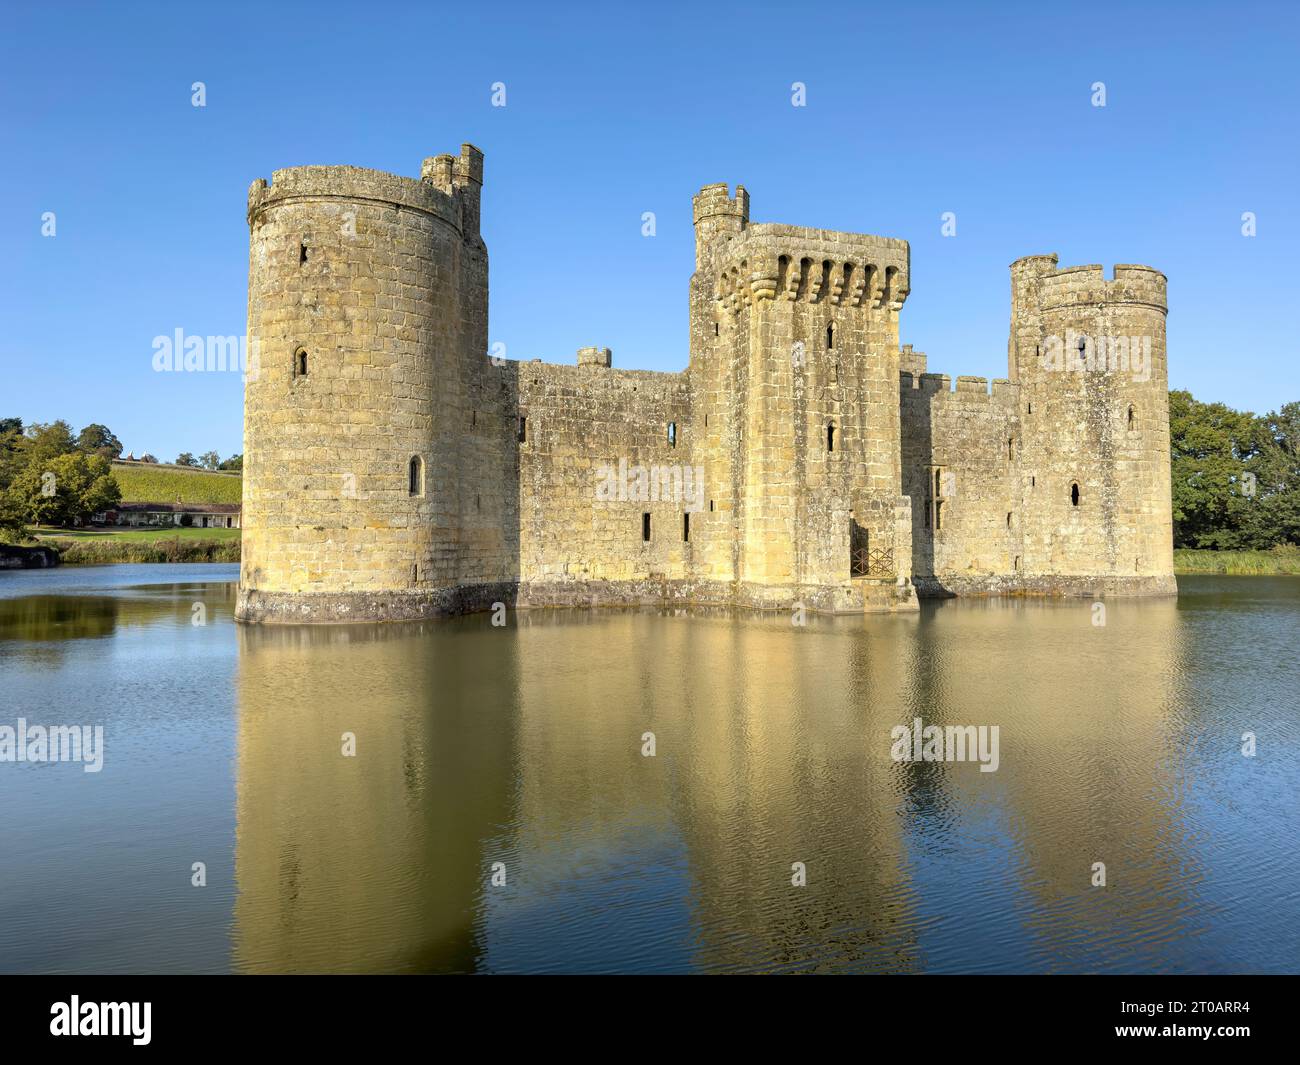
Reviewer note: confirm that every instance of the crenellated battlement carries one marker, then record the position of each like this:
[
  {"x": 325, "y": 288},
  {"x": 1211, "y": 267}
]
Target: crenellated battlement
[
  {"x": 937, "y": 387},
  {"x": 1087, "y": 285},
  {"x": 447, "y": 189}
]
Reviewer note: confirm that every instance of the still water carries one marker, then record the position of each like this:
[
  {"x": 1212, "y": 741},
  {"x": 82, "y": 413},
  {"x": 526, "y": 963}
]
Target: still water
[{"x": 522, "y": 746}]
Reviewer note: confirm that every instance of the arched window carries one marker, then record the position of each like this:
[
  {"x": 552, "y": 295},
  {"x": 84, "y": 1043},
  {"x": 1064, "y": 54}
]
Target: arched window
[
  {"x": 672, "y": 434},
  {"x": 300, "y": 363},
  {"x": 830, "y": 437},
  {"x": 830, "y": 336},
  {"x": 1074, "y": 494},
  {"x": 1010, "y": 443},
  {"x": 415, "y": 476},
  {"x": 1131, "y": 419}
]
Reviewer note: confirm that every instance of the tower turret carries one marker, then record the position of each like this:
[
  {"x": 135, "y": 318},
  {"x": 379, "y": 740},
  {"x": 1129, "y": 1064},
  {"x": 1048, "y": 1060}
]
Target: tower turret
[
  {"x": 367, "y": 306},
  {"x": 716, "y": 213},
  {"x": 1089, "y": 356}
]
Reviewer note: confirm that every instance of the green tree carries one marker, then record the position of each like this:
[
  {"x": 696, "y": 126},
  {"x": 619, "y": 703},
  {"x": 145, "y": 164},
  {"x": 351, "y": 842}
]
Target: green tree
[
  {"x": 46, "y": 442},
  {"x": 64, "y": 491},
  {"x": 235, "y": 462},
  {"x": 99, "y": 439},
  {"x": 1211, "y": 447},
  {"x": 185, "y": 459},
  {"x": 210, "y": 460}
]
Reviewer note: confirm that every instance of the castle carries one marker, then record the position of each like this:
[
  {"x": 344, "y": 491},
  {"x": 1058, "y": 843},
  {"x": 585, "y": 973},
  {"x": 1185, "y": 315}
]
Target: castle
[{"x": 394, "y": 470}]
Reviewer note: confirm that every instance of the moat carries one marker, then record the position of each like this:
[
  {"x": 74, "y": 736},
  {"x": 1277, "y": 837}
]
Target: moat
[{"x": 519, "y": 749}]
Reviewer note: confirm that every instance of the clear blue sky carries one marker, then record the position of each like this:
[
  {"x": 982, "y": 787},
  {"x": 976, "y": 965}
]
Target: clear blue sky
[{"x": 982, "y": 110}]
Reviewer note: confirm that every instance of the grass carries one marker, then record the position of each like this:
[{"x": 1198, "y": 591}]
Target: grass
[
  {"x": 1281, "y": 560},
  {"x": 173, "y": 544},
  {"x": 176, "y": 484},
  {"x": 135, "y": 535}
]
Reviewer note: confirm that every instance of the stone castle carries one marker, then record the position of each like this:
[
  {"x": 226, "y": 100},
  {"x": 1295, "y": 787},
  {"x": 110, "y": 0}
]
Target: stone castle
[{"x": 394, "y": 470}]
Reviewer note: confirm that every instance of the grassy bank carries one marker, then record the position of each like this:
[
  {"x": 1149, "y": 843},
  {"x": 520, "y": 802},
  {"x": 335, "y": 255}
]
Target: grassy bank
[
  {"x": 86, "y": 551},
  {"x": 143, "y": 534},
  {"x": 86, "y": 546},
  {"x": 1284, "y": 559}
]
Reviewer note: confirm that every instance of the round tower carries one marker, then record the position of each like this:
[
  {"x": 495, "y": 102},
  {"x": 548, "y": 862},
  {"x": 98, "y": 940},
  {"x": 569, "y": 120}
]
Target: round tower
[
  {"x": 364, "y": 290},
  {"x": 1089, "y": 355}
]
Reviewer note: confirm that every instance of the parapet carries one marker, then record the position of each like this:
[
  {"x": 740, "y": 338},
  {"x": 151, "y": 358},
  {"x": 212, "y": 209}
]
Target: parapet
[
  {"x": 595, "y": 357},
  {"x": 447, "y": 189},
  {"x": 795, "y": 263},
  {"x": 1079, "y": 286}
]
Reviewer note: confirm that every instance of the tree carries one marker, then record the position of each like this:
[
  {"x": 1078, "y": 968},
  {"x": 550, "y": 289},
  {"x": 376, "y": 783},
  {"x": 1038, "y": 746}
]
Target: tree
[
  {"x": 185, "y": 459},
  {"x": 146, "y": 457},
  {"x": 66, "y": 490},
  {"x": 99, "y": 439},
  {"x": 210, "y": 460},
  {"x": 235, "y": 462},
  {"x": 1211, "y": 447},
  {"x": 10, "y": 425},
  {"x": 46, "y": 442}
]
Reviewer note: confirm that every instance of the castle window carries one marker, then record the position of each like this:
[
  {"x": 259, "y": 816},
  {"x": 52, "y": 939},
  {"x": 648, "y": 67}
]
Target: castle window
[
  {"x": 830, "y": 337},
  {"x": 1074, "y": 494},
  {"x": 710, "y": 504},
  {"x": 523, "y": 429},
  {"x": 672, "y": 434},
  {"x": 1008, "y": 519},
  {"x": 1030, "y": 409},
  {"x": 715, "y": 328},
  {"x": 302, "y": 252},
  {"x": 1010, "y": 443},
  {"x": 645, "y": 527},
  {"x": 1131, "y": 419},
  {"x": 686, "y": 526},
  {"x": 938, "y": 515},
  {"x": 830, "y": 438},
  {"x": 300, "y": 363},
  {"x": 1016, "y": 565},
  {"x": 415, "y": 476}
]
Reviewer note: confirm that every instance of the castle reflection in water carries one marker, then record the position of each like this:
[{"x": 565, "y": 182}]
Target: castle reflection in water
[{"x": 522, "y": 746}]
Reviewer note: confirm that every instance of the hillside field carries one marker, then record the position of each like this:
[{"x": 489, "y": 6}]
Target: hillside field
[{"x": 173, "y": 484}]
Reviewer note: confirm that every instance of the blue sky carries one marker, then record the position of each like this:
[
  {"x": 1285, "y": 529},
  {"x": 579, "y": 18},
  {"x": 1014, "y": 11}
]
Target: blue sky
[{"x": 981, "y": 110}]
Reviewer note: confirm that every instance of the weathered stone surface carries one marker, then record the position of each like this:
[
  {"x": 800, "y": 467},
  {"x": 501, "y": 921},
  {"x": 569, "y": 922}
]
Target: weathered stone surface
[{"x": 406, "y": 474}]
